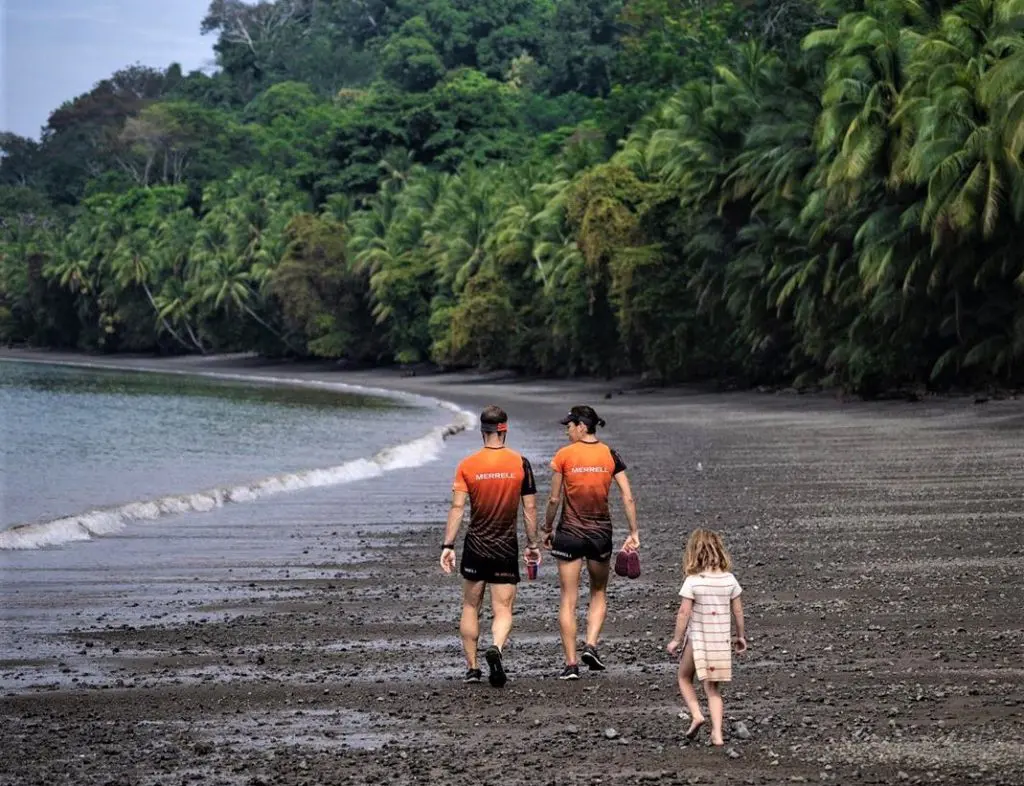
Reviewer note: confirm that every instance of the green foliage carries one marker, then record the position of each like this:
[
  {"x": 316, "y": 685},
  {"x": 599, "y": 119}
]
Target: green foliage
[
  {"x": 321, "y": 296},
  {"x": 759, "y": 192},
  {"x": 579, "y": 46},
  {"x": 482, "y": 326},
  {"x": 410, "y": 60},
  {"x": 667, "y": 43}
]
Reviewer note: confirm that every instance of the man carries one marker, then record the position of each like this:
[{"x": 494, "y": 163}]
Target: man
[{"x": 494, "y": 479}]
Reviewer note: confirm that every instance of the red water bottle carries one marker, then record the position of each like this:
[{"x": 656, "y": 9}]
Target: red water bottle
[{"x": 531, "y": 567}]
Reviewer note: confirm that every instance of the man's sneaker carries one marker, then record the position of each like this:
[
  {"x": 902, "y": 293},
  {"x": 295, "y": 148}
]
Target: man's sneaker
[
  {"x": 570, "y": 672},
  {"x": 473, "y": 675},
  {"x": 497, "y": 676},
  {"x": 591, "y": 658}
]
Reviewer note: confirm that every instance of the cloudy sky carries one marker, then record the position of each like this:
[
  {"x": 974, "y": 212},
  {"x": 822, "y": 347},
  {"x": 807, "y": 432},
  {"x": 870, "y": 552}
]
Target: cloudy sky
[{"x": 54, "y": 50}]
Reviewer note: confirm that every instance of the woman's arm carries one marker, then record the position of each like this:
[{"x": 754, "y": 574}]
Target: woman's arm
[
  {"x": 554, "y": 499},
  {"x": 633, "y": 541}
]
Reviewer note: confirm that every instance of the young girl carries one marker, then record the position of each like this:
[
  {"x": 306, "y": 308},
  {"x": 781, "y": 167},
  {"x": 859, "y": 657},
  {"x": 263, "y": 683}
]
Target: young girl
[{"x": 709, "y": 593}]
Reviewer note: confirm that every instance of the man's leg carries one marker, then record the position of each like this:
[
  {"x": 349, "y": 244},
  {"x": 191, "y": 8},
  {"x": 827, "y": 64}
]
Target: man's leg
[
  {"x": 503, "y": 597},
  {"x": 469, "y": 627},
  {"x": 598, "y": 608},
  {"x": 569, "y": 578}
]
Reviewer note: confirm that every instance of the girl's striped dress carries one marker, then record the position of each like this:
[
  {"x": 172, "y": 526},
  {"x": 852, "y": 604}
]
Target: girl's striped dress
[{"x": 710, "y": 625}]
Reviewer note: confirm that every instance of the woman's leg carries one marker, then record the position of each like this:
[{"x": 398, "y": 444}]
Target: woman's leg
[
  {"x": 688, "y": 691},
  {"x": 598, "y": 608},
  {"x": 569, "y": 578},
  {"x": 716, "y": 710}
]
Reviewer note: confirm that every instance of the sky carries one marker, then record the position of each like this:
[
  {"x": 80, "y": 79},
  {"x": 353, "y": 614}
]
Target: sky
[{"x": 54, "y": 50}]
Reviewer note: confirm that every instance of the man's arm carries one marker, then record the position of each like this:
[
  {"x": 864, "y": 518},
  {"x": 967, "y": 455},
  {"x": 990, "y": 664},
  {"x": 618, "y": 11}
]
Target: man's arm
[
  {"x": 528, "y": 492},
  {"x": 451, "y": 531},
  {"x": 530, "y": 519}
]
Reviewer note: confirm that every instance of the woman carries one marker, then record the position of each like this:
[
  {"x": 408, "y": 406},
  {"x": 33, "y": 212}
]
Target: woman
[{"x": 583, "y": 474}]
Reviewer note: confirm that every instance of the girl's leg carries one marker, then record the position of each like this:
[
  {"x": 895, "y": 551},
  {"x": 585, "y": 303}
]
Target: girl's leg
[
  {"x": 688, "y": 691},
  {"x": 716, "y": 711},
  {"x": 569, "y": 578}
]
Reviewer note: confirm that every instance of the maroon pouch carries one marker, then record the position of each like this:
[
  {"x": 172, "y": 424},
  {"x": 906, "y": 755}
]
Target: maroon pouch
[
  {"x": 627, "y": 563},
  {"x": 633, "y": 564},
  {"x": 622, "y": 563}
]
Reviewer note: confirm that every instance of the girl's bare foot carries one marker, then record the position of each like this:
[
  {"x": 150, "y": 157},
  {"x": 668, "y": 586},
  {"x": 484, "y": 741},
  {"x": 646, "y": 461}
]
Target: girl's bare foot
[
  {"x": 695, "y": 726},
  {"x": 716, "y": 740}
]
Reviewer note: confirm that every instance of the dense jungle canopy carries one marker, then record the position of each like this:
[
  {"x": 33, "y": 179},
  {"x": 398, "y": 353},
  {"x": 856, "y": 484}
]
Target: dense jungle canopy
[{"x": 773, "y": 191}]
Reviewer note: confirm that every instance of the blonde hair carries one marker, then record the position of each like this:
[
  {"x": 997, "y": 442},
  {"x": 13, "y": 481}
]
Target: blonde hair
[{"x": 705, "y": 551}]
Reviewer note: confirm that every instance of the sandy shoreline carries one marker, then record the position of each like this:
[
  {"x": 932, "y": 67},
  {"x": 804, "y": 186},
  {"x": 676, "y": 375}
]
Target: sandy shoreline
[{"x": 880, "y": 546}]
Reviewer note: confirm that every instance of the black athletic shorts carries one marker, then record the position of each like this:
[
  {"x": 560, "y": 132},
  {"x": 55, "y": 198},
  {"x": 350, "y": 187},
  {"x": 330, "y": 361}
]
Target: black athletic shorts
[
  {"x": 494, "y": 571},
  {"x": 567, "y": 548}
]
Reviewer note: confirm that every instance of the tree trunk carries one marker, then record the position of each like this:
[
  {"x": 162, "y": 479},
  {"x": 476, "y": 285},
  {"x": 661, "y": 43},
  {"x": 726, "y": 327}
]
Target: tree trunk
[
  {"x": 956, "y": 300},
  {"x": 540, "y": 267},
  {"x": 265, "y": 324},
  {"x": 166, "y": 324},
  {"x": 196, "y": 341}
]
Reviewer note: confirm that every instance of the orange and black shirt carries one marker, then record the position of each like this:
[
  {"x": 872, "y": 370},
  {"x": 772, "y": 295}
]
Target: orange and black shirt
[
  {"x": 495, "y": 479},
  {"x": 587, "y": 469}
]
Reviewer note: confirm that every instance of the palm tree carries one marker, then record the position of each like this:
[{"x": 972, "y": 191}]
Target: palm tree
[
  {"x": 175, "y": 238},
  {"x": 457, "y": 232},
  {"x": 132, "y": 263},
  {"x": 524, "y": 234},
  {"x": 224, "y": 276}
]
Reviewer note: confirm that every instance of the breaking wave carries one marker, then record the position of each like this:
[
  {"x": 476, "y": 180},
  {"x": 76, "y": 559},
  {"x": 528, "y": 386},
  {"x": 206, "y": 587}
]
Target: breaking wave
[{"x": 109, "y": 520}]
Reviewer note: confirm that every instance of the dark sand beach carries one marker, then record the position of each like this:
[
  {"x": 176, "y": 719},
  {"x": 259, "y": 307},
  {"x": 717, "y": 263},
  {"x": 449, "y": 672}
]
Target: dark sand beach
[{"x": 880, "y": 545}]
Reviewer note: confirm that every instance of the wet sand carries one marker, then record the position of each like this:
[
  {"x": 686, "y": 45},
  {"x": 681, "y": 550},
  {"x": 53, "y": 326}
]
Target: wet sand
[{"x": 880, "y": 546}]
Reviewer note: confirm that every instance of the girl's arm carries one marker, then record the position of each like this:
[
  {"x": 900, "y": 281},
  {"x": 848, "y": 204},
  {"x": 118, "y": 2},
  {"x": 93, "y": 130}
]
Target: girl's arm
[
  {"x": 682, "y": 620},
  {"x": 740, "y": 644}
]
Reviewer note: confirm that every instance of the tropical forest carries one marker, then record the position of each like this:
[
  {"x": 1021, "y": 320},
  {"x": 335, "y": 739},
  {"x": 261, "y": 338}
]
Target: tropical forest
[{"x": 796, "y": 193}]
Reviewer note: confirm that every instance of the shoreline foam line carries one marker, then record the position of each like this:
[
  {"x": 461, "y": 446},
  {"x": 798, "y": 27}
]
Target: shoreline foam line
[{"x": 112, "y": 519}]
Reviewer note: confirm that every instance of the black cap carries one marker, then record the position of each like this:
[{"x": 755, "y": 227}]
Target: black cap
[{"x": 582, "y": 414}]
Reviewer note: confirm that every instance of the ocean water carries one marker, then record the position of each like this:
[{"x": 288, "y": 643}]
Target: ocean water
[{"x": 88, "y": 452}]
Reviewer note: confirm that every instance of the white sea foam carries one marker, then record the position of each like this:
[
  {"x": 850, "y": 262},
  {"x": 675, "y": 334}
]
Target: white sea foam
[{"x": 106, "y": 521}]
